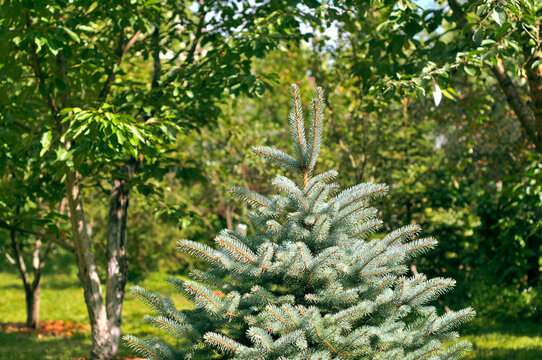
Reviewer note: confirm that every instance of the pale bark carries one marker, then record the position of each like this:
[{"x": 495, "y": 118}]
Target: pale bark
[
  {"x": 32, "y": 297},
  {"x": 88, "y": 270},
  {"x": 117, "y": 266},
  {"x": 105, "y": 316},
  {"x": 229, "y": 216}
]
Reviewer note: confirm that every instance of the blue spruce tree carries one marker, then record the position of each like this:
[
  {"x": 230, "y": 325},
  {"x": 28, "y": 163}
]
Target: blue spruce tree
[{"x": 310, "y": 282}]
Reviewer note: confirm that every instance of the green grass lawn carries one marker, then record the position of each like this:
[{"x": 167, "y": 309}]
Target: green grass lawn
[
  {"x": 62, "y": 299},
  {"x": 513, "y": 341}
]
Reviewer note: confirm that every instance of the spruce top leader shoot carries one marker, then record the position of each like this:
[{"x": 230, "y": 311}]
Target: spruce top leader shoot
[{"x": 311, "y": 282}]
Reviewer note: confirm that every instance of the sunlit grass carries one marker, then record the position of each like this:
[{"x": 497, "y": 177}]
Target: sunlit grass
[
  {"x": 510, "y": 341},
  {"x": 62, "y": 299},
  {"x": 493, "y": 346}
]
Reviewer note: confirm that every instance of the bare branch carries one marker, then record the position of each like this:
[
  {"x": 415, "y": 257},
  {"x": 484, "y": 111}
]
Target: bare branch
[
  {"x": 523, "y": 113},
  {"x": 10, "y": 259},
  {"x": 22, "y": 125},
  {"x": 21, "y": 266},
  {"x": 157, "y": 65},
  {"x": 191, "y": 53},
  {"x": 197, "y": 36},
  {"x": 42, "y": 235},
  {"x": 62, "y": 73},
  {"x": 43, "y": 257},
  {"x": 122, "y": 49},
  {"x": 39, "y": 75}
]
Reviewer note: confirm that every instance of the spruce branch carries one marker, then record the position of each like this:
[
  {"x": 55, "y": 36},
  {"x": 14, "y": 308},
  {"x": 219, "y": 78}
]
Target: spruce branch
[
  {"x": 297, "y": 128},
  {"x": 278, "y": 157},
  {"x": 316, "y": 129}
]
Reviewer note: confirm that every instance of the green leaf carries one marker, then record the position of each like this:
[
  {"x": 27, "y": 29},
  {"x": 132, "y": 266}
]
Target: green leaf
[
  {"x": 499, "y": 15},
  {"x": 136, "y": 132},
  {"x": 46, "y": 142},
  {"x": 536, "y": 229},
  {"x": 120, "y": 137},
  {"x": 477, "y": 37},
  {"x": 72, "y": 35},
  {"x": 452, "y": 91},
  {"x": 466, "y": 29},
  {"x": 470, "y": 70},
  {"x": 487, "y": 42},
  {"x": 437, "y": 93},
  {"x": 502, "y": 30},
  {"x": 536, "y": 63},
  {"x": 480, "y": 10},
  {"x": 446, "y": 93},
  {"x": 92, "y": 6},
  {"x": 62, "y": 154},
  {"x": 39, "y": 43}
]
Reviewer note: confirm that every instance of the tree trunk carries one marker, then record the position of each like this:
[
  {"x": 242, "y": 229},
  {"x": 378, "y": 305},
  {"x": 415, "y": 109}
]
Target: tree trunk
[
  {"x": 32, "y": 291},
  {"x": 533, "y": 259},
  {"x": 534, "y": 75},
  {"x": 21, "y": 267},
  {"x": 229, "y": 217},
  {"x": 116, "y": 252},
  {"x": 32, "y": 297},
  {"x": 88, "y": 271}
]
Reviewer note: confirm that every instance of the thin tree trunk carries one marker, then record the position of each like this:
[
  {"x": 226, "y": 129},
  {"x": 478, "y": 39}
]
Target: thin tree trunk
[
  {"x": 32, "y": 291},
  {"x": 523, "y": 112},
  {"x": 33, "y": 297},
  {"x": 229, "y": 217},
  {"x": 88, "y": 270},
  {"x": 531, "y": 55},
  {"x": 533, "y": 259},
  {"x": 33, "y": 308},
  {"x": 116, "y": 252},
  {"x": 21, "y": 267}
]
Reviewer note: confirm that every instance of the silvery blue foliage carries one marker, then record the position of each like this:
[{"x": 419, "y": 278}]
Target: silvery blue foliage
[{"x": 311, "y": 282}]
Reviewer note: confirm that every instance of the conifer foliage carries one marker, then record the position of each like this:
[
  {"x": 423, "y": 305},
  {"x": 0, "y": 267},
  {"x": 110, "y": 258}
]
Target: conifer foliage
[{"x": 311, "y": 282}]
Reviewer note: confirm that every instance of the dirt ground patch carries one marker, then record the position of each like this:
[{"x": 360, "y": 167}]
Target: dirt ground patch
[{"x": 46, "y": 328}]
